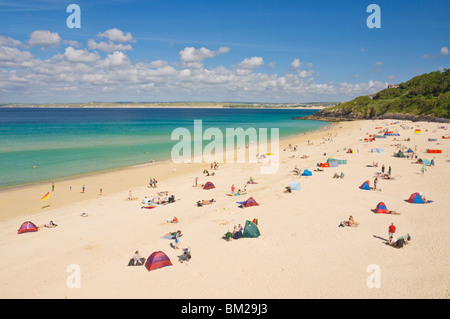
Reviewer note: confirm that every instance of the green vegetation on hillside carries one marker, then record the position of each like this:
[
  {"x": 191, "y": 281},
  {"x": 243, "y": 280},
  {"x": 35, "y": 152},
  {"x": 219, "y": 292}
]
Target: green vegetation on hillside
[{"x": 423, "y": 95}]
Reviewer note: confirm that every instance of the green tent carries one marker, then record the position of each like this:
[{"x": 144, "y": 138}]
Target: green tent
[
  {"x": 251, "y": 230},
  {"x": 400, "y": 154}
]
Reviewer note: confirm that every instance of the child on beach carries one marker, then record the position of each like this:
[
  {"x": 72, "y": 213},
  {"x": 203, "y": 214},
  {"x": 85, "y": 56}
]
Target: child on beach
[{"x": 177, "y": 239}]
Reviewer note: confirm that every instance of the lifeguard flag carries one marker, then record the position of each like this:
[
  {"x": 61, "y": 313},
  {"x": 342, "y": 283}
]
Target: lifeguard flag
[{"x": 46, "y": 196}]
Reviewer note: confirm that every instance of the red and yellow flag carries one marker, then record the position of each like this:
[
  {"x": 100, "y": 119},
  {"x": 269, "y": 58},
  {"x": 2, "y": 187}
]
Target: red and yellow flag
[{"x": 46, "y": 196}]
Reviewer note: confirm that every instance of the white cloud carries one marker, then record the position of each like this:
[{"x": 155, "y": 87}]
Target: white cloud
[
  {"x": 10, "y": 42},
  {"x": 73, "y": 55},
  {"x": 108, "y": 47},
  {"x": 252, "y": 63},
  {"x": 115, "y": 60},
  {"x": 44, "y": 38},
  {"x": 116, "y": 35},
  {"x": 444, "y": 51},
  {"x": 295, "y": 64},
  {"x": 83, "y": 73},
  {"x": 190, "y": 54},
  {"x": 12, "y": 57},
  {"x": 72, "y": 43}
]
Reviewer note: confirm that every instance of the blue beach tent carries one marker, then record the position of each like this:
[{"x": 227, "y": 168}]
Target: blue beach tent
[
  {"x": 365, "y": 186},
  {"x": 306, "y": 173}
]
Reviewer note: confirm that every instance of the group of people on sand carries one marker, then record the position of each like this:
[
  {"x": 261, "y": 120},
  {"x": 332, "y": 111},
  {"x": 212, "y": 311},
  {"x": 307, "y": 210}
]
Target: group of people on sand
[
  {"x": 336, "y": 175},
  {"x": 237, "y": 232},
  {"x": 153, "y": 182},
  {"x": 214, "y": 165},
  {"x": 163, "y": 198},
  {"x": 203, "y": 202},
  {"x": 239, "y": 191},
  {"x": 205, "y": 171}
]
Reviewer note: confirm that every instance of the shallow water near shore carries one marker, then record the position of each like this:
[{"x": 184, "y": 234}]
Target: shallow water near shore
[{"x": 42, "y": 144}]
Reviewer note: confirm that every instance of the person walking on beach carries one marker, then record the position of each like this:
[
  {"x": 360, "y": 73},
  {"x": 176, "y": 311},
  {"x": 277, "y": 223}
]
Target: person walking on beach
[
  {"x": 391, "y": 230},
  {"x": 177, "y": 239},
  {"x": 83, "y": 189},
  {"x": 382, "y": 169},
  {"x": 375, "y": 182},
  {"x": 53, "y": 186},
  {"x": 423, "y": 169},
  {"x": 196, "y": 181},
  {"x": 232, "y": 189},
  {"x": 389, "y": 171}
]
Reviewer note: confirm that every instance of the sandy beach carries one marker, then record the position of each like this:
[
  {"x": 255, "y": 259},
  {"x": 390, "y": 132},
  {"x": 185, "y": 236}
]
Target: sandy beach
[{"x": 301, "y": 253}]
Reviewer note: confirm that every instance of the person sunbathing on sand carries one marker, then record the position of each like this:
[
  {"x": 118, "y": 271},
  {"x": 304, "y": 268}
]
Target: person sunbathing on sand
[
  {"x": 173, "y": 221},
  {"x": 206, "y": 202},
  {"x": 350, "y": 222}
]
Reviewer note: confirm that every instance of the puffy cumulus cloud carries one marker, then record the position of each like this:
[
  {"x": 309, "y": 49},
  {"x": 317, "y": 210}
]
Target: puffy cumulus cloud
[
  {"x": 10, "y": 42},
  {"x": 14, "y": 58},
  {"x": 108, "y": 47},
  {"x": 83, "y": 73},
  {"x": 78, "y": 56},
  {"x": 192, "y": 58},
  {"x": 252, "y": 63},
  {"x": 295, "y": 64},
  {"x": 116, "y": 59},
  {"x": 444, "y": 51},
  {"x": 44, "y": 38},
  {"x": 116, "y": 35}
]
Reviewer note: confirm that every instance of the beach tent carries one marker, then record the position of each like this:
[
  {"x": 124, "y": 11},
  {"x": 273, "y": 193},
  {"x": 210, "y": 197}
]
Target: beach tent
[
  {"x": 350, "y": 151},
  {"x": 249, "y": 202},
  {"x": 365, "y": 186},
  {"x": 377, "y": 150},
  {"x": 157, "y": 260},
  {"x": 409, "y": 151},
  {"x": 306, "y": 173},
  {"x": 209, "y": 185},
  {"x": 251, "y": 230},
  {"x": 294, "y": 186},
  {"x": 27, "y": 227},
  {"x": 416, "y": 199},
  {"x": 426, "y": 162},
  {"x": 400, "y": 154},
  {"x": 381, "y": 208}
]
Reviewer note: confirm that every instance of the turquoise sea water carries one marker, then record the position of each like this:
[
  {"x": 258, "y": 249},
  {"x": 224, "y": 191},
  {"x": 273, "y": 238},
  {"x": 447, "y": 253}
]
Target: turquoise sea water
[{"x": 74, "y": 141}]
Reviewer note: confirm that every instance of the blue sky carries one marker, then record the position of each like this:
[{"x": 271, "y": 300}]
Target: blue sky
[{"x": 253, "y": 51}]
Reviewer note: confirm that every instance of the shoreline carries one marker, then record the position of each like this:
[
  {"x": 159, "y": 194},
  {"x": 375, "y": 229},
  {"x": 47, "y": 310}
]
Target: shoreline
[
  {"x": 164, "y": 168},
  {"x": 164, "y": 107},
  {"x": 164, "y": 161}
]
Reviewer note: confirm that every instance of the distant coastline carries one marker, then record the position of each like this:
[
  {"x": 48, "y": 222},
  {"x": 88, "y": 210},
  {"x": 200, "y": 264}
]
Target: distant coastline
[{"x": 316, "y": 105}]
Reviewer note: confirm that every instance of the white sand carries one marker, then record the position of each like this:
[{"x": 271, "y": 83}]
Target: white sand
[{"x": 302, "y": 253}]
